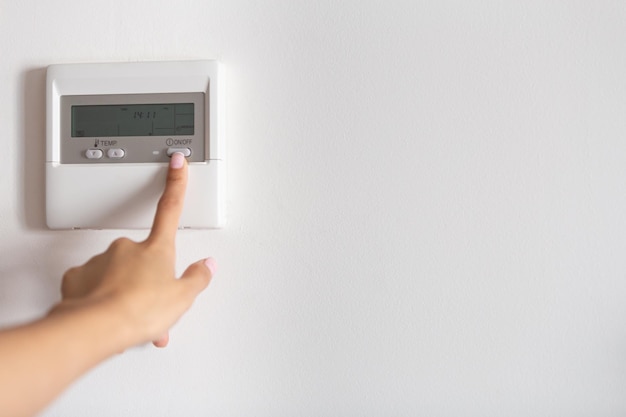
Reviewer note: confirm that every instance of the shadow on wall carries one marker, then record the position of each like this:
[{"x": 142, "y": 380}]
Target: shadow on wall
[
  {"x": 33, "y": 140},
  {"x": 30, "y": 277},
  {"x": 23, "y": 291}
]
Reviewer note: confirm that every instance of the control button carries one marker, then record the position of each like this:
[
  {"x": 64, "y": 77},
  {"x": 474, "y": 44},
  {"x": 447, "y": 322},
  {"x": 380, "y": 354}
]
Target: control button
[
  {"x": 184, "y": 151},
  {"x": 93, "y": 153},
  {"x": 115, "y": 153}
]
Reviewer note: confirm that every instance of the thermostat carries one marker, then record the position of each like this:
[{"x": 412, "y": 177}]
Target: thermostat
[{"x": 111, "y": 130}]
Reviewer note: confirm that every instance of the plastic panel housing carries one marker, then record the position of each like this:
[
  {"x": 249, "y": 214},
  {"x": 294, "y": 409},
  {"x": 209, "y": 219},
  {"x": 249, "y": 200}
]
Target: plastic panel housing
[{"x": 124, "y": 196}]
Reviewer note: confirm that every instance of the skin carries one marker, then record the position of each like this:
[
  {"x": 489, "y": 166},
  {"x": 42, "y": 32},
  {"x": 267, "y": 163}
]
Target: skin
[{"x": 126, "y": 296}]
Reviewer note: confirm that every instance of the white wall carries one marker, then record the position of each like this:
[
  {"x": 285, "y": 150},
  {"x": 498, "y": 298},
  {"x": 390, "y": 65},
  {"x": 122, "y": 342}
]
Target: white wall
[{"x": 426, "y": 206}]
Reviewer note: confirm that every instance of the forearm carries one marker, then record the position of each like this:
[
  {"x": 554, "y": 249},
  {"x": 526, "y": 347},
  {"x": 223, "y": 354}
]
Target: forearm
[
  {"x": 122, "y": 297},
  {"x": 39, "y": 360}
]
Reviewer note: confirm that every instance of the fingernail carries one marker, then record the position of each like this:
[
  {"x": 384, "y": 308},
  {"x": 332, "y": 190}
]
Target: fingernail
[
  {"x": 211, "y": 264},
  {"x": 177, "y": 161}
]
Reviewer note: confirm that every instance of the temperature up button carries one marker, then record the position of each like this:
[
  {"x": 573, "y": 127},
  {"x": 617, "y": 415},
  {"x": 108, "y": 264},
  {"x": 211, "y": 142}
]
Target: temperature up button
[{"x": 116, "y": 153}]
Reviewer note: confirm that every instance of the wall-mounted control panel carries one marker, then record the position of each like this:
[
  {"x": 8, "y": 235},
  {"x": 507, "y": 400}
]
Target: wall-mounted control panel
[{"x": 111, "y": 130}]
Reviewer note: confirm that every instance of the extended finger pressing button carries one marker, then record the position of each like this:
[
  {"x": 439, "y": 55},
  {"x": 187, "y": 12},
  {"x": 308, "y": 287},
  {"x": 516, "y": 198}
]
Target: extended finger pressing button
[{"x": 185, "y": 151}]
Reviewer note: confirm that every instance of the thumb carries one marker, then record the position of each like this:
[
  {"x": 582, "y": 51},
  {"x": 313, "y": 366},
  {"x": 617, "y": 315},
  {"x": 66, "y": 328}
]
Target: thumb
[{"x": 198, "y": 275}]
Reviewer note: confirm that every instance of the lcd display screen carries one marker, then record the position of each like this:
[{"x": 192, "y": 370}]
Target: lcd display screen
[{"x": 166, "y": 119}]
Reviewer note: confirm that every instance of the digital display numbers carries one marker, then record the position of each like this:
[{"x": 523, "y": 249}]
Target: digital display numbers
[{"x": 164, "y": 119}]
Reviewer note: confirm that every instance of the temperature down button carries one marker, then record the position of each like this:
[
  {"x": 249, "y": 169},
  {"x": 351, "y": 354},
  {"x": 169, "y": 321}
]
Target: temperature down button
[{"x": 93, "y": 153}]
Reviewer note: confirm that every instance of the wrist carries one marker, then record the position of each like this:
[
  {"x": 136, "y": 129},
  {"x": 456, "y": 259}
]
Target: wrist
[{"x": 99, "y": 324}]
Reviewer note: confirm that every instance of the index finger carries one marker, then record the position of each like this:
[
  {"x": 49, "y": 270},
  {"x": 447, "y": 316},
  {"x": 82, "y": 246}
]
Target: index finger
[{"x": 171, "y": 202}]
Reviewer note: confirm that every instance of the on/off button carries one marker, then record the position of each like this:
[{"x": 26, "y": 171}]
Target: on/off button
[{"x": 185, "y": 151}]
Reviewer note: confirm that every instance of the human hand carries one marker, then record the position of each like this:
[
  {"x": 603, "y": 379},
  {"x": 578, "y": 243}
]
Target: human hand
[{"x": 136, "y": 280}]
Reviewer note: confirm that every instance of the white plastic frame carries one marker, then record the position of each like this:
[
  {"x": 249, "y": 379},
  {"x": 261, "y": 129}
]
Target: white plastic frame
[{"x": 124, "y": 196}]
